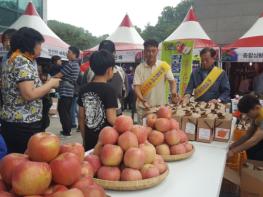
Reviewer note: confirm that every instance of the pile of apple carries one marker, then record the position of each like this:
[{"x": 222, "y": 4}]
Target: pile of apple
[
  {"x": 166, "y": 136},
  {"x": 125, "y": 154},
  {"x": 49, "y": 169}
]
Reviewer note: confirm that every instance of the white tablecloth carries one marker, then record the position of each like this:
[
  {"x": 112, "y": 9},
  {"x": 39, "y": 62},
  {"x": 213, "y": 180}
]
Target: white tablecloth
[{"x": 198, "y": 176}]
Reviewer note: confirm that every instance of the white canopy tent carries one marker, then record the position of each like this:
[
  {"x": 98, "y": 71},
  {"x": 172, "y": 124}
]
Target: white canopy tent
[{"x": 53, "y": 45}]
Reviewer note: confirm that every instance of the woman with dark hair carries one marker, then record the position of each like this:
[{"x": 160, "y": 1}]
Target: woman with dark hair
[{"x": 22, "y": 90}]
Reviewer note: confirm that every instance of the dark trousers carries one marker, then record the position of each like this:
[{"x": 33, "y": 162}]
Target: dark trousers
[
  {"x": 16, "y": 135},
  {"x": 64, "y": 106}
]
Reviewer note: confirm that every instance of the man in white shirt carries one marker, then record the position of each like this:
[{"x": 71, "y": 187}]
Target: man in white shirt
[{"x": 156, "y": 94}]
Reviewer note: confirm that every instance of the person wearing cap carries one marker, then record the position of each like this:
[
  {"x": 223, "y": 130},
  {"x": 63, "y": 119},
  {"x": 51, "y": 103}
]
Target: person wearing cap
[{"x": 208, "y": 83}]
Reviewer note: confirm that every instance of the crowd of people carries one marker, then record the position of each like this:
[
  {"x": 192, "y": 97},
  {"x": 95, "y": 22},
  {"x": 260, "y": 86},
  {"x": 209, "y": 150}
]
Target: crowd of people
[{"x": 93, "y": 99}]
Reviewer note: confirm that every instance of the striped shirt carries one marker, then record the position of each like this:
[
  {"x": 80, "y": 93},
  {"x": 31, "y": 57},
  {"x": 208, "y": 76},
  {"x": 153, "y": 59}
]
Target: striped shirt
[{"x": 70, "y": 75}]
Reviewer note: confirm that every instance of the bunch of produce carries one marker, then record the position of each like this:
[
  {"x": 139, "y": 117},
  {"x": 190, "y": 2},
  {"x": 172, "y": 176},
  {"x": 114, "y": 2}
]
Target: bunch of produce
[
  {"x": 124, "y": 154},
  {"x": 49, "y": 169}
]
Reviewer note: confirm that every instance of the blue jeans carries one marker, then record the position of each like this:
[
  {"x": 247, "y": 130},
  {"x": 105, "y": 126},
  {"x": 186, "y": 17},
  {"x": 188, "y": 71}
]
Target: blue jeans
[{"x": 74, "y": 111}]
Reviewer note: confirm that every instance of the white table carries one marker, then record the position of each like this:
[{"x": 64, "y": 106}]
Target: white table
[{"x": 199, "y": 176}]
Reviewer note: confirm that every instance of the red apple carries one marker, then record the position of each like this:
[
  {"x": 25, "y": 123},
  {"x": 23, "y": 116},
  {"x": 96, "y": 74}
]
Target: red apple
[
  {"x": 177, "y": 149},
  {"x": 83, "y": 183},
  {"x": 183, "y": 136},
  {"x": 75, "y": 148},
  {"x": 156, "y": 138},
  {"x": 140, "y": 132},
  {"x": 87, "y": 169},
  {"x": 148, "y": 131},
  {"x": 94, "y": 191},
  {"x": 174, "y": 124},
  {"x": 69, "y": 193},
  {"x": 161, "y": 165},
  {"x": 108, "y": 135},
  {"x": 134, "y": 158},
  {"x": 111, "y": 155},
  {"x": 53, "y": 189},
  {"x": 43, "y": 147},
  {"x": 172, "y": 137},
  {"x": 66, "y": 169},
  {"x": 163, "y": 149},
  {"x": 163, "y": 124},
  {"x": 31, "y": 178},
  {"x": 129, "y": 174},
  {"x": 97, "y": 148},
  {"x": 94, "y": 160},
  {"x": 2, "y": 186},
  {"x": 164, "y": 112},
  {"x": 9, "y": 164},
  {"x": 109, "y": 173},
  {"x": 123, "y": 123},
  {"x": 149, "y": 171},
  {"x": 150, "y": 120},
  {"x": 188, "y": 147},
  {"x": 149, "y": 152},
  {"x": 6, "y": 194},
  {"x": 127, "y": 140}
]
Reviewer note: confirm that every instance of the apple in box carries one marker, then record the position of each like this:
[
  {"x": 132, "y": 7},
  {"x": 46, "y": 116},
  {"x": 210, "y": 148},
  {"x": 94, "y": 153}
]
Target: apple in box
[
  {"x": 94, "y": 160},
  {"x": 109, "y": 173},
  {"x": 134, "y": 158},
  {"x": 156, "y": 138},
  {"x": 108, "y": 135},
  {"x": 123, "y": 123},
  {"x": 75, "y": 148},
  {"x": 128, "y": 140},
  {"x": 111, "y": 155}
]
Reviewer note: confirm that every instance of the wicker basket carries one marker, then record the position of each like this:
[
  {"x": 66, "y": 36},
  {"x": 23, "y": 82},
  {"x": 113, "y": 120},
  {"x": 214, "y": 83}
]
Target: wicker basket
[
  {"x": 178, "y": 157},
  {"x": 132, "y": 185}
]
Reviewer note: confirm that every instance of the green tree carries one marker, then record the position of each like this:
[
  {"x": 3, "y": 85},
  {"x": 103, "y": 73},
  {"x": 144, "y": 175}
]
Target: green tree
[
  {"x": 170, "y": 19},
  {"x": 75, "y": 36}
]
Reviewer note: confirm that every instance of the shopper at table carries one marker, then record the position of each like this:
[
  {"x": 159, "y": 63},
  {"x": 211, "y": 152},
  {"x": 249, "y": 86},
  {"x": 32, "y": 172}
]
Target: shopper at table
[
  {"x": 150, "y": 80},
  {"x": 56, "y": 65},
  {"x": 252, "y": 142},
  {"x": 22, "y": 90},
  {"x": 209, "y": 82},
  {"x": 97, "y": 103}
]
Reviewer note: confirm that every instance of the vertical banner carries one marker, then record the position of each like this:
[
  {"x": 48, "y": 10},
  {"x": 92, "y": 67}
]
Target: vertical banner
[{"x": 179, "y": 55}]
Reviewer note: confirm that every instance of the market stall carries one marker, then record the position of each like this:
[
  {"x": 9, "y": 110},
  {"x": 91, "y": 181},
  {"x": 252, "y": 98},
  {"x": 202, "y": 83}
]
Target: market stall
[
  {"x": 53, "y": 45},
  {"x": 128, "y": 42},
  {"x": 191, "y": 29},
  {"x": 243, "y": 59}
]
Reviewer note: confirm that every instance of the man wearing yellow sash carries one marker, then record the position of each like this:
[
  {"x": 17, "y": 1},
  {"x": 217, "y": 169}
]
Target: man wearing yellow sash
[
  {"x": 252, "y": 142},
  {"x": 208, "y": 83},
  {"x": 150, "y": 80}
]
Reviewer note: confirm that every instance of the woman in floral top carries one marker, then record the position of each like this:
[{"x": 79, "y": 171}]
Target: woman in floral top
[{"x": 22, "y": 90}]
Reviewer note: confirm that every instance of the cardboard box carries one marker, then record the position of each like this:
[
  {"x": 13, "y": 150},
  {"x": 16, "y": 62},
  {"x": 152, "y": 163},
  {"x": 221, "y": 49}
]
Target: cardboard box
[
  {"x": 205, "y": 130},
  {"x": 251, "y": 183},
  {"x": 223, "y": 129},
  {"x": 189, "y": 125}
]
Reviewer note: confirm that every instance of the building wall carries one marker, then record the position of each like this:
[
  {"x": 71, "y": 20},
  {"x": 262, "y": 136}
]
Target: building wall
[
  {"x": 227, "y": 20},
  {"x": 11, "y": 10}
]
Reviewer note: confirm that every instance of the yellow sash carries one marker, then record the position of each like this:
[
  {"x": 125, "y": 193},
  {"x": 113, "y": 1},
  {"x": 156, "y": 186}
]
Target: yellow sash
[
  {"x": 208, "y": 82},
  {"x": 155, "y": 77}
]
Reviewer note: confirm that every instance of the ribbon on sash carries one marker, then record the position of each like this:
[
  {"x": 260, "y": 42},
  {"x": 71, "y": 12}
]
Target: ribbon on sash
[
  {"x": 154, "y": 79},
  {"x": 208, "y": 82}
]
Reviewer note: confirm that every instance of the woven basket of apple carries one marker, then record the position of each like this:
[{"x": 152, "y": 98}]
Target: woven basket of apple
[
  {"x": 125, "y": 159},
  {"x": 170, "y": 142}
]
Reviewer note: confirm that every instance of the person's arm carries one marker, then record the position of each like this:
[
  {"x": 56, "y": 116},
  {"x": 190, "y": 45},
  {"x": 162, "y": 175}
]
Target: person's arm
[
  {"x": 224, "y": 89},
  {"x": 244, "y": 138},
  {"x": 111, "y": 115},
  {"x": 190, "y": 87},
  {"x": 65, "y": 70},
  {"x": 251, "y": 142},
  {"x": 126, "y": 85},
  {"x": 138, "y": 93},
  {"x": 29, "y": 92},
  {"x": 82, "y": 121}
]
